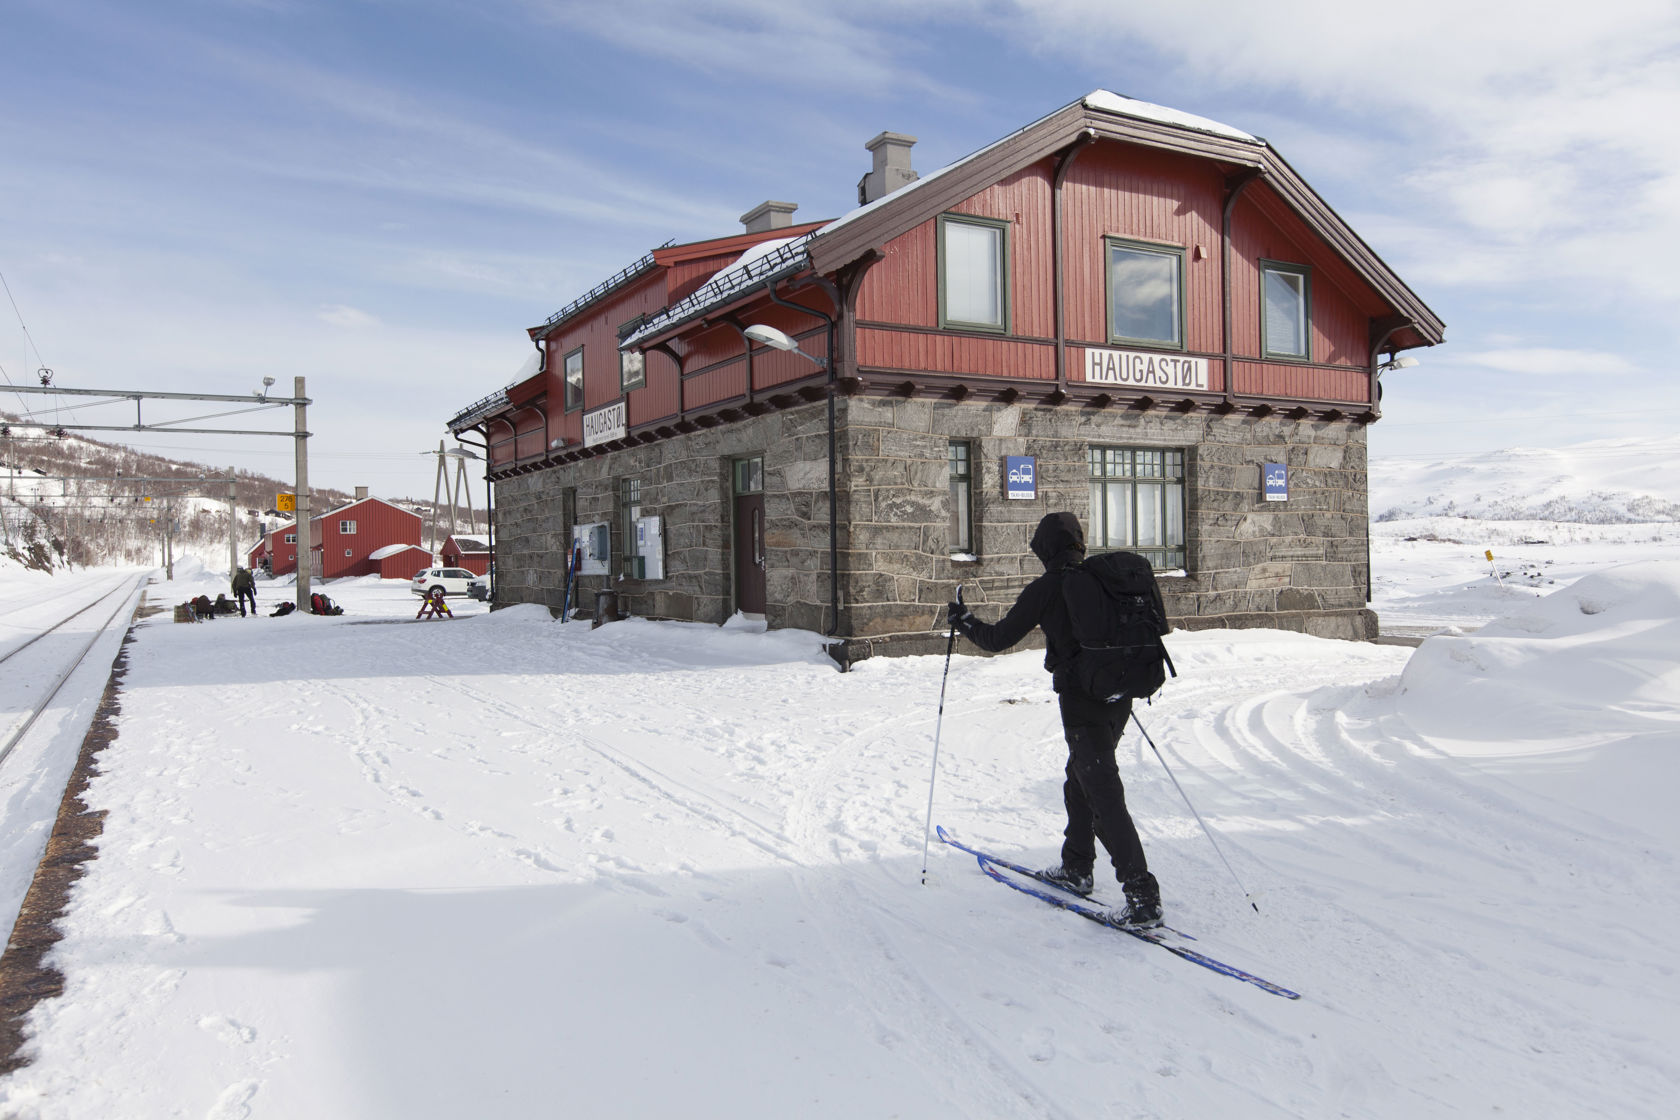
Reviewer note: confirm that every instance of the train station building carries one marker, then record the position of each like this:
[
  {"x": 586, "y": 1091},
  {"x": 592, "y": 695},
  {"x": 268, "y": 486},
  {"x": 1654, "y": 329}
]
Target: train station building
[{"x": 1122, "y": 310}]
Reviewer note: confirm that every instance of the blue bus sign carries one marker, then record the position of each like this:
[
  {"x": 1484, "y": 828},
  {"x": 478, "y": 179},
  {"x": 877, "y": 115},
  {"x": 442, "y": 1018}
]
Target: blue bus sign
[
  {"x": 1275, "y": 478},
  {"x": 1020, "y": 476}
]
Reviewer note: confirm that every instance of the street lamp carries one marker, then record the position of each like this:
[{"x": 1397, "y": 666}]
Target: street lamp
[{"x": 766, "y": 335}]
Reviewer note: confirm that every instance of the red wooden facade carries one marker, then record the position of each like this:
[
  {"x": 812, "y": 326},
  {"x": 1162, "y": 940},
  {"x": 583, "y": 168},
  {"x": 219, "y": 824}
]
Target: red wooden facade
[
  {"x": 343, "y": 539},
  {"x": 403, "y": 562},
  {"x": 1096, "y": 170}
]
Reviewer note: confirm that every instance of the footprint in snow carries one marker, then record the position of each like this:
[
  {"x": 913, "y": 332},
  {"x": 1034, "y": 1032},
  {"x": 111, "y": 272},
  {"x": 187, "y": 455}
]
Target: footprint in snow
[{"x": 1039, "y": 1044}]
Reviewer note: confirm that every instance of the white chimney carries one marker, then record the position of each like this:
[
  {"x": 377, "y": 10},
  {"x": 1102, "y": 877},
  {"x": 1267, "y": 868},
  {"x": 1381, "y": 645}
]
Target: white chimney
[
  {"x": 769, "y": 215},
  {"x": 892, "y": 166},
  {"x": 361, "y": 493}
]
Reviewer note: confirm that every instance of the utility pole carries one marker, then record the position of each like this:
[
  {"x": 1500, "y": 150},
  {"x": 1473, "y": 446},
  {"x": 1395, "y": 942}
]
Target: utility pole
[
  {"x": 300, "y": 428},
  {"x": 233, "y": 532}
]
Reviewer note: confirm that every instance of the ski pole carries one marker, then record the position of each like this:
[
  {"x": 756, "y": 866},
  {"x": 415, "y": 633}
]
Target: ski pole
[
  {"x": 1197, "y": 815},
  {"x": 938, "y": 724}
]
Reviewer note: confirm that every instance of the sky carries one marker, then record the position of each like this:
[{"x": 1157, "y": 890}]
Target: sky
[{"x": 380, "y": 197}]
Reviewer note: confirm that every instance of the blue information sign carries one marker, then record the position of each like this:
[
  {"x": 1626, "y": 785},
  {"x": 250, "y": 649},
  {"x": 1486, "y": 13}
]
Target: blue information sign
[
  {"x": 1020, "y": 476},
  {"x": 1276, "y": 481}
]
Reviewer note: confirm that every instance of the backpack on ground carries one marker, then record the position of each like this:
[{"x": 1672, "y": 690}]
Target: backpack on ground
[
  {"x": 1118, "y": 619},
  {"x": 320, "y": 604}
]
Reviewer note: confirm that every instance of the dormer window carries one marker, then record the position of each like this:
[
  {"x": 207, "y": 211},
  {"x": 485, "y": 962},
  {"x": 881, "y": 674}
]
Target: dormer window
[
  {"x": 1286, "y": 291},
  {"x": 574, "y": 380},
  {"x": 973, "y": 273}
]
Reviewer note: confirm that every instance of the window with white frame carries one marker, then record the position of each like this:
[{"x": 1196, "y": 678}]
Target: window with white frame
[
  {"x": 1137, "y": 503},
  {"x": 1286, "y": 290},
  {"x": 960, "y": 530},
  {"x": 973, "y": 273},
  {"x": 1145, "y": 293},
  {"x": 347, "y": 528},
  {"x": 574, "y": 380},
  {"x": 291, "y": 538}
]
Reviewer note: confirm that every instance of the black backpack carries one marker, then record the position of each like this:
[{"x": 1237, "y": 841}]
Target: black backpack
[{"x": 1118, "y": 620}]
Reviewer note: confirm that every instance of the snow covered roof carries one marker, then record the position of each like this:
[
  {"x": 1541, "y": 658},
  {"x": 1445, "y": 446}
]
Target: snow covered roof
[
  {"x": 768, "y": 260},
  {"x": 497, "y": 401},
  {"x": 394, "y": 549},
  {"x": 1148, "y": 111},
  {"x": 773, "y": 260}
]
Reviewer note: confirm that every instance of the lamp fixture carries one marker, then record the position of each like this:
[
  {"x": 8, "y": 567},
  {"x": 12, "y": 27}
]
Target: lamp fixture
[
  {"x": 766, "y": 335},
  {"x": 1397, "y": 363}
]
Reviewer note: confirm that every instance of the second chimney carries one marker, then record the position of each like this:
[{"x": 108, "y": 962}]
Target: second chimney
[
  {"x": 892, "y": 166},
  {"x": 361, "y": 493},
  {"x": 769, "y": 215}
]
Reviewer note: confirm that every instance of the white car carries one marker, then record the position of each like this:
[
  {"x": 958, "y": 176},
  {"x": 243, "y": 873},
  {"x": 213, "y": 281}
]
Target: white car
[{"x": 454, "y": 581}]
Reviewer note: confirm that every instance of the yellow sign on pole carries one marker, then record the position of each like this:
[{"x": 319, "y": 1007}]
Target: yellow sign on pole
[{"x": 285, "y": 503}]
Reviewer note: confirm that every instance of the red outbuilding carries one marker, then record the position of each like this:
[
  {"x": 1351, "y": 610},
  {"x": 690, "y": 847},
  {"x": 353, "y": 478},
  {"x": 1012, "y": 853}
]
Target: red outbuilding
[
  {"x": 344, "y": 539},
  {"x": 401, "y": 561},
  {"x": 468, "y": 553}
]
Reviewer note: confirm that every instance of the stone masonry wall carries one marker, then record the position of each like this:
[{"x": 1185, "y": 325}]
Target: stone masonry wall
[
  {"x": 1300, "y": 564},
  {"x": 687, "y": 481}
]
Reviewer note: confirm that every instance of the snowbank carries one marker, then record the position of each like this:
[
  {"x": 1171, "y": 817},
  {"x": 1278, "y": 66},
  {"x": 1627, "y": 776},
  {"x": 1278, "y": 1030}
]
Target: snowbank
[{"x": 1577, "y": 694}]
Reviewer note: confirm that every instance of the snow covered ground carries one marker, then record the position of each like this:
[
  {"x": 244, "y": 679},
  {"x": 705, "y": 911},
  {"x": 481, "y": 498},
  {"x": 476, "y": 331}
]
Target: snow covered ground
[{"x": 501, "y": 866}]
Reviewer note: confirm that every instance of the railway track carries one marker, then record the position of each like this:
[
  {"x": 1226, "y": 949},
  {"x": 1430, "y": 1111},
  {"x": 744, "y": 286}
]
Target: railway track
[{"x": 64, "y": 666}]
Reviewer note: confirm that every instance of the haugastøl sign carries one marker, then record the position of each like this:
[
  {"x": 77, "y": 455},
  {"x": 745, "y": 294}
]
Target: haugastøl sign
[
  {"x": 1143, "y": 370},
  {"x": 604, "y": 424}
]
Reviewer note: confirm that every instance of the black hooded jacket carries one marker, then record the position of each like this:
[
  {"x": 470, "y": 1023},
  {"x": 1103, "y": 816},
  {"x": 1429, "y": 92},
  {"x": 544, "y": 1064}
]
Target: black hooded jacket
[{"x": 1060, "y": 543}]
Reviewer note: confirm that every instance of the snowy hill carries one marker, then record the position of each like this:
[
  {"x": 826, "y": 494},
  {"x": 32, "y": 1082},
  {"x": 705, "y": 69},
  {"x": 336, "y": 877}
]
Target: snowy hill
[{"x": 1619, "y": 481}]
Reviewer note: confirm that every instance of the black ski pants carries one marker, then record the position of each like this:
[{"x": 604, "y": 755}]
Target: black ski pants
[
  {"x": 244, "y": 594},
  {"x": 1093, "y": 794}
]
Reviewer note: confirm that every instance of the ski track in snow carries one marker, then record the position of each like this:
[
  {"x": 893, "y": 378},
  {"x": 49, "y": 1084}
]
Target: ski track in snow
[{"x": 721, "y": 861}]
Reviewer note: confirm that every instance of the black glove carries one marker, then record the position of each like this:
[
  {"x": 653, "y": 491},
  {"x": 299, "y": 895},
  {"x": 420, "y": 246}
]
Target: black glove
[{"x": 958, "y": 614}]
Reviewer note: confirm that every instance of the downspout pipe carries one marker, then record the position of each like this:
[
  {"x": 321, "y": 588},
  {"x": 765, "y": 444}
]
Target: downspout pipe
[
  {"x": 1063, "y": 166},
  {"x": 1391, "y": 328},
  {"x": 1237, "y": 187},
  {"x": 833, "y": 455}
]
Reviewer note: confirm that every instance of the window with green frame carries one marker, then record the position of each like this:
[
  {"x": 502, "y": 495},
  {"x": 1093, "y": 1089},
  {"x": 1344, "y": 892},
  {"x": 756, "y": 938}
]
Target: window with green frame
[
  {"x": 973, "y": 273},
  {"x": 1145, "y": 293},
  {"x": 1286, "y": 295},
  {"x": 1137, "y": 503},
  {"x": 960, "y": 529},
  {"x": 574, "y": 380}
]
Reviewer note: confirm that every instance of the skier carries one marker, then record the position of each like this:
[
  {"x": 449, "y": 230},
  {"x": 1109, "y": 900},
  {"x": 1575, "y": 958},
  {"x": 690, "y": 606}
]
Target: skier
[
  {"x": 1092, "y": 793},
  {"x": 245, "y": 587}
]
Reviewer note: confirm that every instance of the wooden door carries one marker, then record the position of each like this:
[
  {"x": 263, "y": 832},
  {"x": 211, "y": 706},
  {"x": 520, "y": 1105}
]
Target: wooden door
[{"x": 749, "y": 535}]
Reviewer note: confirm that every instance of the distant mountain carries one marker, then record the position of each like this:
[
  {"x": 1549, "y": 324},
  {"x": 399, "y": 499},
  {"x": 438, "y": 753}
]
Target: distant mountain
[
  {"x": 102, "y": 517},
  {"x": 1607, "y": 482}
]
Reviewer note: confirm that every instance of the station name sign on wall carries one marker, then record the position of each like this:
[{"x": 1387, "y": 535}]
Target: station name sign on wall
[
  {"x": 1145, "y": 370},
  {"x": 604, "y": 424}
]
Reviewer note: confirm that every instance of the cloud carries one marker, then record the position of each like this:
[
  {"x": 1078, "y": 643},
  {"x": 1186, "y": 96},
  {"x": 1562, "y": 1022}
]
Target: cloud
[
  {"x": 340, "y": 315},
  {"x": 1544, "y": 361}
]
